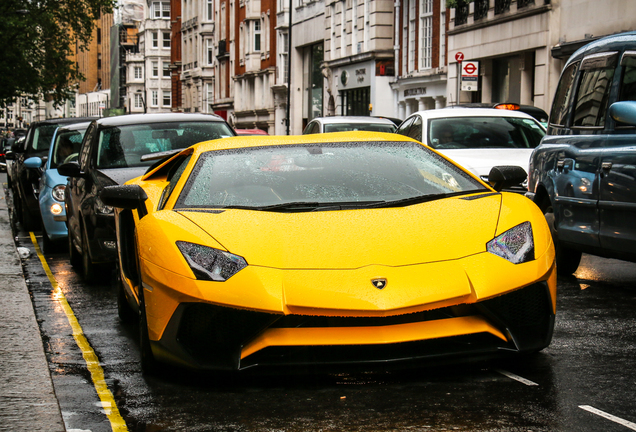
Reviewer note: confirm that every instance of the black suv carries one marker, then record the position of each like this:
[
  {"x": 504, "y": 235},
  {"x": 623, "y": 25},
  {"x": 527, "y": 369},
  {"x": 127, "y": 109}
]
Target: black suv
[
  {"x": 25, "y": 181},
  {"x": 583, "y": 174},
  {"x": 115, "y": 150}
]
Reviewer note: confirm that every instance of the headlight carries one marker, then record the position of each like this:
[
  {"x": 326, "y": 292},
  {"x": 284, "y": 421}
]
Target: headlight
[
  {"x": 211, "y": 264},
  {"x": 102, "y": 208},
  {"x": 516, "y": 245},
  {"x": 58, "y": 193}
]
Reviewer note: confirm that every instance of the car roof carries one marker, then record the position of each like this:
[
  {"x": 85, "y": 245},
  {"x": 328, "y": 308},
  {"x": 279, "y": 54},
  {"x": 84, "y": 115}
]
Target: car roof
[
  {"x": 64, "y": 120},
  {"x": 157, "y": 118},
  {"x": 74, "y": 126},
  {"x": 617, "y": 42},
  {"x": 471, "y": 112},
  {"x": 354, "y": 119}
]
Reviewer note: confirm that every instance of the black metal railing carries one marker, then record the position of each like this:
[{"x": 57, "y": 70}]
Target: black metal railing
[
  {"x": 481, "y": 9},
  {"x": 461, "y": 12},
  {"x": 502, "y": 6},
  {"x": 524, "y": 3}
]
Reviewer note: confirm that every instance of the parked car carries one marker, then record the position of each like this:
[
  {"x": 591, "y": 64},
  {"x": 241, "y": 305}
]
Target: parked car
[
  {"x": 349, "y": 123},
  {"x": 536, "y": 112},
  {"x": 26, "y": 181},
  {"x": 115, "y": 150},
  {"x": 5, "y": 146},
  {"x": 65, "y": 147},
  {"x": 329, "y": 249},
  {"x": 250, "y": 132},
  {"x": 477, "y": 138},
  {"x": 583, "y": 173}
]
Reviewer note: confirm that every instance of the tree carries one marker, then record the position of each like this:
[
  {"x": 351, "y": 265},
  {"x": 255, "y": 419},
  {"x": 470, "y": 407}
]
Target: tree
[{"x": 37, "y": 40}]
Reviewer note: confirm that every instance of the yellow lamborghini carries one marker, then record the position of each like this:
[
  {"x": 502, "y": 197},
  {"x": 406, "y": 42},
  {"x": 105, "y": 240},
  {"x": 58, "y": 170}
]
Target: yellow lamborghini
[{"x": 329, "y": 249}]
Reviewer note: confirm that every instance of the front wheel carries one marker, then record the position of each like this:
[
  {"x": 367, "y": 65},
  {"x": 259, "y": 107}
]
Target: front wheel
[{"x": 567, "y": 259}]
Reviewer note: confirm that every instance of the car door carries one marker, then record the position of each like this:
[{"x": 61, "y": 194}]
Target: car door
[
  {"x": 77, "y": 186},
  {"x": 577, "y": 155},
  {"x": 617, "y": 200}
]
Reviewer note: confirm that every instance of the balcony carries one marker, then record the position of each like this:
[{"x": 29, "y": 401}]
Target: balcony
[{"x": 221, "y": 50}]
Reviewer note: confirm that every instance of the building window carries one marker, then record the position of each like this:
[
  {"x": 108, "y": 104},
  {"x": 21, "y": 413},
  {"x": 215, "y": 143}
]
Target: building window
[
  {"x": 426, "y": 33},
  {"x": 166, "y": 40},
  {"x": 99, "y": 61},
  {"x": 138, "y": 74},
  {"x": 209, "y": 97},
  {"x": 155, "y": 98},
  {"x": 412, "y": 22},
  {"x": 155, "y": 40},
  {"x": 282, "y": 57},
  {"x": 209, "y": 9},
  {"x": 167, "y": 98},
  {"x": 257, "y": 36},
  {"x": 209, "y": 47},
  {"x": 160, "y": 9},
  {"x": 166, "y": 69},
  {"x": 155, "y": 69},
  {"x": 138, "y": 103}
]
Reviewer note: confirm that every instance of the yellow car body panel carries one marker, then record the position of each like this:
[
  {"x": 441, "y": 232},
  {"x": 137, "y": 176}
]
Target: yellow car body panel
[{"x": 432, "y": 255}]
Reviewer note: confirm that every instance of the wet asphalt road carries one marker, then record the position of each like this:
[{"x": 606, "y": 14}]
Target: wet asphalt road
[{"x": 589, "y": 366}]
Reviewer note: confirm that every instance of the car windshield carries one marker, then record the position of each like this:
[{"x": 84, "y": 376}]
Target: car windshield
[
  {"x": 372, "y": 127},
  {"x": 323, "y": 176},
  {"x": 66, "y": 146},
  {"x": 484, "y": 132},
  {"x": 42, "y": 136},
  {"x": 123, "y": 146}
]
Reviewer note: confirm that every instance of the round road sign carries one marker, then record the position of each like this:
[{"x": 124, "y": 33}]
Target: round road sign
[
  {"x": 459, "y": 56},
  {"x": 470, "y": 68}
]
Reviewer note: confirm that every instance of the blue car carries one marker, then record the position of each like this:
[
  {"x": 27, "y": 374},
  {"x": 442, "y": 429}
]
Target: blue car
[{"x": 65, "y": 147}]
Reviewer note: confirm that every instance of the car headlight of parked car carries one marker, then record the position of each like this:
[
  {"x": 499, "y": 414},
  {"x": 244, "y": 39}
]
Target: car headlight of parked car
[
  {"x": 211, "y": 264},
  {"x": 515, "y": 245},
  {"x": 58, "y": 193}
]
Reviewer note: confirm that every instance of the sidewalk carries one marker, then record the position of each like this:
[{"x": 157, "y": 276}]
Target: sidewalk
[{"x": 27, "y": 398}]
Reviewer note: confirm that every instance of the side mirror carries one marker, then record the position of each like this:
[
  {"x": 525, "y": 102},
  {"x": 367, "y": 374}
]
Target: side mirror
[
  {"x": 130, "y": 197},
  {"x": 33, "y": 162},
  {"x": 70, "y": 169},
  {"x": 18, "y": 146},
  {"x": 624, "y": 112},
  {"x": 501, "y": 177}
]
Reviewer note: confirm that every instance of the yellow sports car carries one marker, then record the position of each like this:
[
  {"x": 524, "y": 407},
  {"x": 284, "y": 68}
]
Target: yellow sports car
[{"x": 329, "y": 249}]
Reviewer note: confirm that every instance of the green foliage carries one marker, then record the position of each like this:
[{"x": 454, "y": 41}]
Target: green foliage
[{"x": 37, "y": 40}]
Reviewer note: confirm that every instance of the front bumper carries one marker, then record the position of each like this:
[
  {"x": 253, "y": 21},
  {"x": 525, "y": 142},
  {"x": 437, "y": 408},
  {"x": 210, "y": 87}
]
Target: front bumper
[{"x": 194, "y": 326}]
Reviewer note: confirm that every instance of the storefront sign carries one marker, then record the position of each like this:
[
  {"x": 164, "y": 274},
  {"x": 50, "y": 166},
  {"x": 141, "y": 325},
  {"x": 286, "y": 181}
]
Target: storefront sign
[{"x": 415, "y": 91}]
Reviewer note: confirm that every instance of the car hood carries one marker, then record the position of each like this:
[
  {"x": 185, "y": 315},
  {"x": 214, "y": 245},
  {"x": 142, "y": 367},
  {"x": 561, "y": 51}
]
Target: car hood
[
  {"x": 349, "y": 239},
  {"x": 114, "y": 176},
  {"x": 480, "y": 161}
]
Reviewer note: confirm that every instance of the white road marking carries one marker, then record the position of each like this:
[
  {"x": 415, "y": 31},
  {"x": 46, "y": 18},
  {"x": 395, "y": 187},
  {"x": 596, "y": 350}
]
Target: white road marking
[
  {"x": 516, "y": 377},
  {"x": 603, "y": 414}
]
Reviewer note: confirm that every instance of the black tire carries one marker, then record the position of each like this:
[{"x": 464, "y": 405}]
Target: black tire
[
  {"x": 124, "y": 310},
  {"x": 26, "y": 219},
  {"x": 149, "y": 365},
  {"x": 567, "y": 259},
  {"x": 88, "y": 268},
  {"x": 73, "y": 255},
  {"x": 48, "y": 245}
]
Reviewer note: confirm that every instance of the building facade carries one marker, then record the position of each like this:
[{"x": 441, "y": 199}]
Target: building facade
[
  {"x": 420, "y": 56},
  {"x": 359, "y": 55},
  {"x": 255, "y": 65},
  {"x": 522, "y": 45}
]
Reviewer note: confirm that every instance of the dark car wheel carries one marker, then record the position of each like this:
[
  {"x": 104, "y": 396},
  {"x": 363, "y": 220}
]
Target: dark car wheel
[
  {"x": 567, "y": 259},
  {"x": 88, "y": 268},
  {"x": 26, "y": 219},
  {"x": 73, "y": 255}
]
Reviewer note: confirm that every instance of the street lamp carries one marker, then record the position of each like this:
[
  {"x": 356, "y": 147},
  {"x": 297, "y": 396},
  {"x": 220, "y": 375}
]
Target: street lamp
[{"x": 143, "y": 100}]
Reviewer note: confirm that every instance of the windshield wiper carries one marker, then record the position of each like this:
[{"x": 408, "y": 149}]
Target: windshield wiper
[
  {"x": 418, "y": 199},
  {"x": 308, "y": 206}
]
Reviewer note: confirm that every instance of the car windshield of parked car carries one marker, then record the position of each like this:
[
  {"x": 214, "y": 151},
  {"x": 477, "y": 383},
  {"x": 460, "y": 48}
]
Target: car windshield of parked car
[
  {"x": 371, "y": 127},
  {"x": 66, "y": 146},
  {"x": 42, "y": 136},
  {"x": 484, "y": 132},
  {"x": 123, "y": 146},
  {"x": 315, "y": 176}
]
